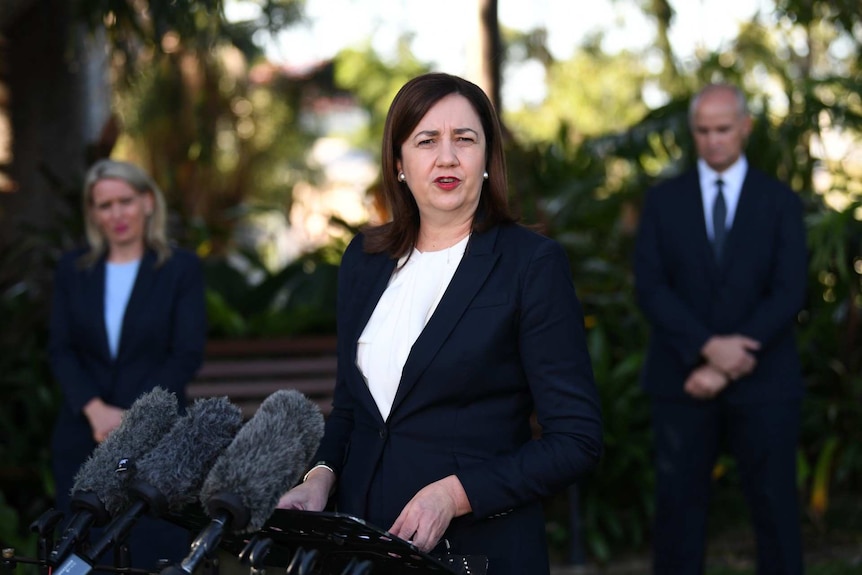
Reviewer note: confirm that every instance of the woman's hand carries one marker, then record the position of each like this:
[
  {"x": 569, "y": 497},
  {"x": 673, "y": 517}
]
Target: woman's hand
[
  {"x": 425, "y": 517},
  {"x": 310, "y": 495},
  {"x": 103, "y": 418}
]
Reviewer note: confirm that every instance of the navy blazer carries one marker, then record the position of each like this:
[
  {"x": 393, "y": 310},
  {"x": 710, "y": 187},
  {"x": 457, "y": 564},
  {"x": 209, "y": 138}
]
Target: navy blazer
[
  {"x": 161, "y": 342},
  {"x": 757, "y": 289},
  {"x": 507, "y": 338},
  {"x": 162, "y": 337}
]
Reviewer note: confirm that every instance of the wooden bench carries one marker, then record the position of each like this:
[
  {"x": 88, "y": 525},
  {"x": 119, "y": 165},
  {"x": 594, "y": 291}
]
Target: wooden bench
[{"x": 247, "y": 371}]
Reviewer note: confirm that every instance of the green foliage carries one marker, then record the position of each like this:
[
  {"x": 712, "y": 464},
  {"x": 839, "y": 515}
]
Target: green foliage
[
  {"x": 374, "y": 84},
  {"x": 579, "y": 198},
  {"x": 246, "y": 299},
  {"x": 31, "y": 399},
  {"x": 613, "y": 93},
  {"x": 160, "y": 24},
  {"x": 841, "y": 13},
  {"x": 615, "y": 518},
  {"x": 830, "y": 336},
  {"x": 214, "y": 140},
  {"x": 588, "y": 197},
  {"x": 298, "y": 299}
]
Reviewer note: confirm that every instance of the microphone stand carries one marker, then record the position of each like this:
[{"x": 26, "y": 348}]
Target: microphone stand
[
  {"x": 122, "y": 555},
  {"x": 303, "y": 562},
  {"x": 357, "y": 567},
  {"x": 254, "y": 553},
  {"x": 115, "y": 536},
  {"x": 228, "y": 513},
  {"x": 88, "y": 510},
  {"x": 148, "y": 498},
  {"x": 44, "y": 528}
]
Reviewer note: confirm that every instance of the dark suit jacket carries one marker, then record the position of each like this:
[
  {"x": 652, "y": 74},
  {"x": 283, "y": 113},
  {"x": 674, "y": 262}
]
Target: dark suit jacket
[
  {"x": 756, "y": 290},
  {"x": 506, "y": 338},
  {"x": 161, "y": 344}
]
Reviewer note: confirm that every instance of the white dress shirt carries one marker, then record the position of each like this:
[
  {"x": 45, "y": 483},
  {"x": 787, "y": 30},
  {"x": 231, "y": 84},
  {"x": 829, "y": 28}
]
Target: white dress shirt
[
  {"x": 414, "y": 290},
  {"x": 733, "y": 177}
]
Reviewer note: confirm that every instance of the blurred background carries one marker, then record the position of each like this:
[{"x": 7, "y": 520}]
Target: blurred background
[{"x": 262, "y": 120}]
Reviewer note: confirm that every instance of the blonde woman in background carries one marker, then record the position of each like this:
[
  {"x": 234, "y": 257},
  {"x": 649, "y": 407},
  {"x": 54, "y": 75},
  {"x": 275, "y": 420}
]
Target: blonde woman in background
[{"x": 128, "y": 315}]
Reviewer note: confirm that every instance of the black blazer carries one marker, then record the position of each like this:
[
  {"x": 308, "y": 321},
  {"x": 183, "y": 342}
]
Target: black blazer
[
  {"x": 507, "y": 338},
  {"x": 756, "y": 290}
]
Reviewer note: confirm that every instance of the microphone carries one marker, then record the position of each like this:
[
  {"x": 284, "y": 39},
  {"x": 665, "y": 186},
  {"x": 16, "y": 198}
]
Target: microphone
[
  {"x": 266, "y": 458},
  {"x": 168, "y": 477},
  {"x": 99, "y": 483}
]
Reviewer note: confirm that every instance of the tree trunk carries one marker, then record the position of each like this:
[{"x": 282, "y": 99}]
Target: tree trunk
[
  {"x": 58, "y": 100},
  {"x": 490, "y": 51}
]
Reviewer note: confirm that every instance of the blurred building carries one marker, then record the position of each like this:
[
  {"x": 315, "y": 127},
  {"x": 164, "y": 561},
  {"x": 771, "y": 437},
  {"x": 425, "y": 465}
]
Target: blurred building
[{"x": 344, "y": 173}]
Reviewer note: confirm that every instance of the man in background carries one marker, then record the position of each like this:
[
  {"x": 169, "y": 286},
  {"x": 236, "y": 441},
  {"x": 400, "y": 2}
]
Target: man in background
[{"x": 720, "y": 269}]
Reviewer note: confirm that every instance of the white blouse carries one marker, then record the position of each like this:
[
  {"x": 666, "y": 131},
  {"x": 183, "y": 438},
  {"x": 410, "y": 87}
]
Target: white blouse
[{"x": 406, "y": 305}]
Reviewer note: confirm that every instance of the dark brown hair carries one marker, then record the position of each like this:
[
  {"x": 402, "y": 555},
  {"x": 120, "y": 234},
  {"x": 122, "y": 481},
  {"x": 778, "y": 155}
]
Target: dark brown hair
[{"x": 398, "y": 236}]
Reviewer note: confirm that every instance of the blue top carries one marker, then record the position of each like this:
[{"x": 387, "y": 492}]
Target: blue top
[{"x": 119, "y": 281}]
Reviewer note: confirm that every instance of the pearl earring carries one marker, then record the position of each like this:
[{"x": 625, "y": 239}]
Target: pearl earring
[
  {"x": 485, "y": 175},
  {"x": 402, "y": 177}
]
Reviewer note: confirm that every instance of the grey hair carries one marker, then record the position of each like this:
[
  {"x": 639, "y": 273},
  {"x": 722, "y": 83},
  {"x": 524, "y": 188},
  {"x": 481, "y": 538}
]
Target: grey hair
[
  {"x": 155, "y": 229},
  {"x": 741, "y": 101}
]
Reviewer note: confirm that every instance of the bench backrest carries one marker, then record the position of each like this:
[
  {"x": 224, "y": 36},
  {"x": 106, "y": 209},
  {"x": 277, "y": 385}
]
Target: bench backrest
[{"x": 247, "y": 371}]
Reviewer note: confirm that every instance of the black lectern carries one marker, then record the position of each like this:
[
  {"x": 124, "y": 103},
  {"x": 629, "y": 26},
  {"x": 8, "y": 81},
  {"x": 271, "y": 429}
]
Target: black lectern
[{"x": 338, "y": 539}]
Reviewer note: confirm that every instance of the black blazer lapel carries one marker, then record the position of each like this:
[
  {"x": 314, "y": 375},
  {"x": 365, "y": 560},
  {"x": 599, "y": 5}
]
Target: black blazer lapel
[
  {"x": 479, "y": 259},
  {"x": 745, "y": 222},
  {"x": 373, "y": 278},
  {"x": 693, "y": 217},
  {"x": 94, "y": 298},
  {"x": 374, "y": 274},
  {"x": 142, "y": 290}
]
